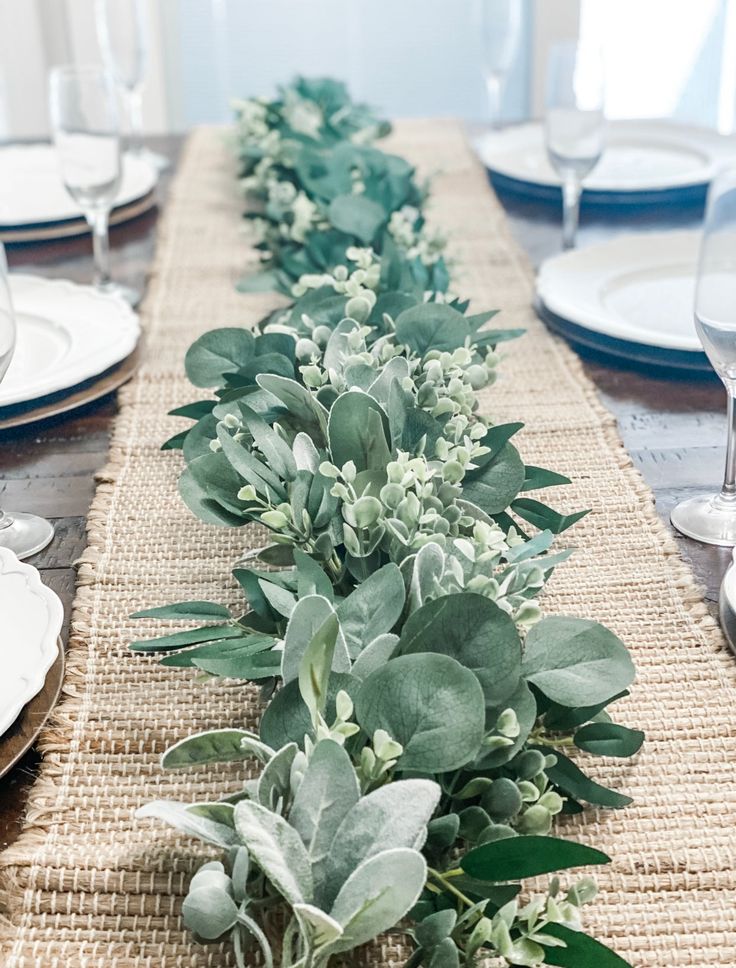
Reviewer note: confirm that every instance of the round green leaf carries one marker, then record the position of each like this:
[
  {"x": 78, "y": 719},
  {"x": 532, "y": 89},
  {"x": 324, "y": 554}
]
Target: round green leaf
[
  {"x": 576, "y": 662},
  {"x": 430, "y": 704},
  {"x": 216, "y": 353},
  {"x": 474, "y": 631}
]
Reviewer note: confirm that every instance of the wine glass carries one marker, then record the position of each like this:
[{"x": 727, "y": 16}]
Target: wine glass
[
  {"x": 84, "y": 120},
  {"x": 25, "y": 534},
  {"x": 711, "y": 518},
  {"x": 122, "y": 32},
  {"x": 500, "y": 33},
  {"x": 574, "y": 124}
]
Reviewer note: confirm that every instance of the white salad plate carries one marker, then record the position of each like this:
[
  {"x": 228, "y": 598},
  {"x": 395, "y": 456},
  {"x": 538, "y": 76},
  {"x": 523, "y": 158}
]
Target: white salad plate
[
  {"x": 640, "y": 158},
  {"x": 32, "y": 615},
  {"x": 66, "y": 334},
  {"x": 632, "y": 295},
  {"x": 32, "y": 192}
]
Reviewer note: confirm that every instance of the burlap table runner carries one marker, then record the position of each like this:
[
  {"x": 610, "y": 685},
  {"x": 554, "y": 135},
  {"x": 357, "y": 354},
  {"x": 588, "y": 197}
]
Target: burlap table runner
[{"x": 87, "y": 885}]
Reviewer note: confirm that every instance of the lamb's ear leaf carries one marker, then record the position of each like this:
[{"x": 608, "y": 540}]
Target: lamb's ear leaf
[
  {"x": 277, "y": 849},
  {"x": 374, "y": 655},
  {"x": 328, "y": 791},
  {"x": 377, "y": 895},
  {"x": 316, "y": 665},
  {"x": 206, "y": 828},
  {"x": 394, "y": 815},
  {"x": 306, "y": 620},
  {"x": 216, "y": 746},
  {"x": 274, "y": 783},
  {"x": 319, "y": 927}
]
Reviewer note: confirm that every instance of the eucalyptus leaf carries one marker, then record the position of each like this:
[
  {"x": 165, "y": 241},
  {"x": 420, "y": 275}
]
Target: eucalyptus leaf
[
  {"x": 286, "y": 719},
  {"x": 357, "y": 215},
  {"x": 371, "y": 609},
  {"x": 358, "y": 431},
  {"x": 216, "y": 353},
  {"x": 432, "y": 326},
  {"x": 495, "y": 484},
  {"x": 185, "y": 610},
  {"x": 473, "y": 630},
  {"x": 430, "y": 704},
  {"x": 576, "y": 662}
]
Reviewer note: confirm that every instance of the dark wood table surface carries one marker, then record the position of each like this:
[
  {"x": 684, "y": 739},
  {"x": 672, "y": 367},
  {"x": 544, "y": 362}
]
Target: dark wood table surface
[{"x": 674, "y": 428}]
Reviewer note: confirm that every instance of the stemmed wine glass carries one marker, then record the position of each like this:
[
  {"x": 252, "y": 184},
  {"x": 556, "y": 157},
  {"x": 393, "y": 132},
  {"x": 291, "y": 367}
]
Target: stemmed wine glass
[
  {"x": 574, "y": 124},
  {"x": 711, "y": 518},
  {"x": 25, "y": 534},
  {"x": 122, "y": 31},
  {"x": 85, "y": 124},
  {"x": 500, "y": 32}
]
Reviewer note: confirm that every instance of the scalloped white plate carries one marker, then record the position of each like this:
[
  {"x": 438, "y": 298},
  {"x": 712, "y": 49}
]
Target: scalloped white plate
[
  {"x": 31, "y": 619},
  {"x": 32, "y": 192},
  {"x": 66, "y": 334}
]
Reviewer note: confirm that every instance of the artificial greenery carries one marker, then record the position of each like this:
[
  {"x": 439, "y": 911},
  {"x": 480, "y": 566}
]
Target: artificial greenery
[{"x": 417, "y": 702}]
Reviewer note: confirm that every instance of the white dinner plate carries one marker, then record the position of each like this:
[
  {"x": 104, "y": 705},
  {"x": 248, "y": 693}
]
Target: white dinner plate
[
  {"x": 32, "y": 192},
  {"x": 639, "y": 157},
  {"x": 66, "y": 334},
  {"x": 32, "y": 616},
  {"x": 637, "y": 288}
]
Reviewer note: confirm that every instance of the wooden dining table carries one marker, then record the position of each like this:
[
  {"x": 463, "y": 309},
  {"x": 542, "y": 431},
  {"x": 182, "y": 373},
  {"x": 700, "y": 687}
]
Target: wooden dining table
[{"x": 672, "y": 426}]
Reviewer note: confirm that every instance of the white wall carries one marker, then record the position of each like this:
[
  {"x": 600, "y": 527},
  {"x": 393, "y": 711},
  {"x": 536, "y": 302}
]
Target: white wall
[{"x": 408, "y": 57}]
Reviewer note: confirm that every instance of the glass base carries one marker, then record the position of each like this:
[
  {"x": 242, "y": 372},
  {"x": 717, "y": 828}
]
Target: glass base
[
  {"x": 130, "y": 295},
  {"x": 154, "y": 159},
  {"x": 701, "y": 518},
  {"x": 26, "y": 534}
]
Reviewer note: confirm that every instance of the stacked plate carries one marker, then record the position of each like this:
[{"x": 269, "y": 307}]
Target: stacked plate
[
  {"x": 74, "y": 345},
  {"x": 643, "y": 162},
  {"x": 631, "y": 298},
  {"x": 31, "y": 656},
  {"x": 34, "y": 205}
]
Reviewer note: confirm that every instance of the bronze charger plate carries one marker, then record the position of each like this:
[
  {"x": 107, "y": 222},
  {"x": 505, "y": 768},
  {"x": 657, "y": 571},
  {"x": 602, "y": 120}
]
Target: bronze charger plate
[
  {"x": 54, "y": 404},
  {"x": 20, "y": 737},
  {"x": 68, "y": 228}
]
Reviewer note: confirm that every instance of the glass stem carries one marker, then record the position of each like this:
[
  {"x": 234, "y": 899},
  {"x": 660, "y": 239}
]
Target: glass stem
[
  {"x": 493, "y": 87},
  {"x": 98, "y": 219},
  {"x": 727, "y": 497},
  {"x": 5, "y": 520},
  {"x": 571, "y": 191},
  {"x": 135, "y": 110}
]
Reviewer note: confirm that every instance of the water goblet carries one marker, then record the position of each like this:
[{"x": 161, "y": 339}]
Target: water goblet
[
  {"x": 25, "y": 534},
  {"x": 711, "y": 518},
  {"x": 122, "y": 32},
  {"x": 85, "y": 125},
  {"x": 574, "y": 124},
  {"x": 500, "y": 33}
]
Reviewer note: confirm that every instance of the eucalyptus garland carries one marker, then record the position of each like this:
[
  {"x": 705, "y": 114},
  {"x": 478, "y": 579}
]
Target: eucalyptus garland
[{"x": 411, "y": 759}]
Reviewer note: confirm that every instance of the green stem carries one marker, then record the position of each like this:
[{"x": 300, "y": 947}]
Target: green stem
[{"x": 442, "y": 879}]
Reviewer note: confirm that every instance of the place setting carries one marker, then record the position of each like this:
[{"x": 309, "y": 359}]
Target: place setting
[{"x": 388, "y": 616}]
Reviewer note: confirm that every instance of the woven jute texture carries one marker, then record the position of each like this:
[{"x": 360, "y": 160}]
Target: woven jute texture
[{"x": 88, "y": 885}]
